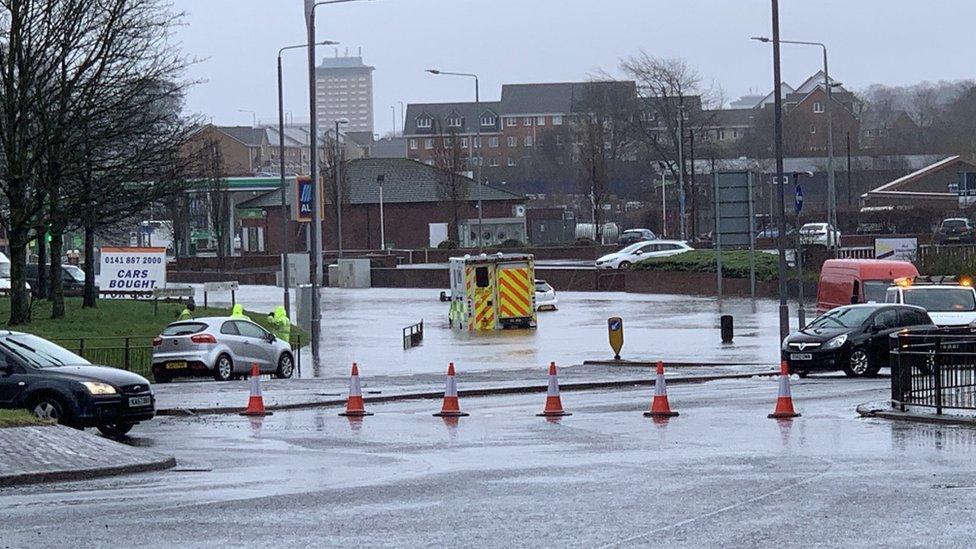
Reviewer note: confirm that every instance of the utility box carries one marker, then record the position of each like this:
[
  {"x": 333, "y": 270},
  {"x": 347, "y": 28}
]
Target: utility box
[
  {"x": 303, "y": 304},
  {"x": 350, "y": 273},
  {"x": 298, "y": 271},
  {"x": 492, "y": 292}
]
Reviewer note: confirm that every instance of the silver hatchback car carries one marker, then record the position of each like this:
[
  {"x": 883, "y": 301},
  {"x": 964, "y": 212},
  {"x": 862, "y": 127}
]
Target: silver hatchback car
[{"x": 222, "y": 347}]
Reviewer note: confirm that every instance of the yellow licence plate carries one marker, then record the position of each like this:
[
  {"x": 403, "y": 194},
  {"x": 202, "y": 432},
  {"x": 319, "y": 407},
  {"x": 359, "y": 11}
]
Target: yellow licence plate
[{"x": 176, "y": 365}]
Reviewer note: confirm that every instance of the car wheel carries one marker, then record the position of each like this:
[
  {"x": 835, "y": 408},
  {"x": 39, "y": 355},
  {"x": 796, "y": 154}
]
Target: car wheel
[
  {"x": 116, "y": 430},
  {"x": 624, "y": 265},
  {"x": 223, "y": 369},
  {"x": 52, "y": 408},
  {"x": 858, "y": 364},
  {"x": 286, "y": 366}
]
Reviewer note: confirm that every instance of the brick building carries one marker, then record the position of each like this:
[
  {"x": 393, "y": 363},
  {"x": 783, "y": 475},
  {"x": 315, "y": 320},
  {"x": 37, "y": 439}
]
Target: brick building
[{"x": 414, "y": 208}]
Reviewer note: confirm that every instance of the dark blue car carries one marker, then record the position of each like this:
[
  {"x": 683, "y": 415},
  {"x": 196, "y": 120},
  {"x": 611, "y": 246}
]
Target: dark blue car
[{"x": 56, "y": 384}]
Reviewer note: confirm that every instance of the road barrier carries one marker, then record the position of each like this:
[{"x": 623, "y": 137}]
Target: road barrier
[
  {"x": 728, "y": 331},
  {"x": 413, "y": 335},
  {"x": 134, "y": 353},
  {"x": 934, "y": 369}
]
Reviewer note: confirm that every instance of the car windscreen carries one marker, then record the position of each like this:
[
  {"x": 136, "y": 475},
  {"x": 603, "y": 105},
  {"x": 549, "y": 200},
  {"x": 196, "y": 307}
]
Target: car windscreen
[
  {"x": 841, "y": 317},
  {"x": 941, "y": 300},
  {"x": 631, "y": 249},
  {"x": 4, "y": 270},
  {"x": 813, "y": 228},
  {"x": 542, "y": 287},
  {"x": 953, "y": 224},
  {"x": 184, "y": 328},
  {"x": 39, "y": 352},
  {"x": 74, "y": 272},
  {"x": 875, "y": 290}
]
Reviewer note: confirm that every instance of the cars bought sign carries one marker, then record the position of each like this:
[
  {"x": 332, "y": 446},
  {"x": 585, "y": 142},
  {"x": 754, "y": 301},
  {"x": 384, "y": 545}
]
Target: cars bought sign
[{"x": 128, "y": 270}]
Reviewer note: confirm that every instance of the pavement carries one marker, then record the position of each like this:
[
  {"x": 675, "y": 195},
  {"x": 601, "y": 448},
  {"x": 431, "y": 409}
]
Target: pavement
[
  {"x": 721, "y": 474},
  {"x": 53, "y": 453}
]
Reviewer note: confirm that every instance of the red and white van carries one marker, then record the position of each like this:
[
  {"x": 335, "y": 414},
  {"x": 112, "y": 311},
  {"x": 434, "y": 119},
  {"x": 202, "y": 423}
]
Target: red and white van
[{"x": 847, "y": 281}]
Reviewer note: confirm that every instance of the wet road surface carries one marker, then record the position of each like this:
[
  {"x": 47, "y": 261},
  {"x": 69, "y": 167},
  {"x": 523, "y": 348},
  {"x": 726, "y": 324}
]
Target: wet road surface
[{"x": 720, "y": 474}]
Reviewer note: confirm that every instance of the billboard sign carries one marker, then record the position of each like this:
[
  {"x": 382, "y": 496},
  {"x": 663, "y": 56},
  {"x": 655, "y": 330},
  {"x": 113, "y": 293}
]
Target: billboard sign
[
  {"x": 905, "y": 249},
  {"x": 733, "y": 209},
  {"x": 131, "y": 271}
]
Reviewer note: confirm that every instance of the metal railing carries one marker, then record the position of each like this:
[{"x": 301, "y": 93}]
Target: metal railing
[
  {"x": 413, "y": 335},
  {"x": 934, "y": 369},
  {"x": 135, "y": 353}
]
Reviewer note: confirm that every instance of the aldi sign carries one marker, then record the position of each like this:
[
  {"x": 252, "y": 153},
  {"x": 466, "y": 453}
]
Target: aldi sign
[{"x": 304, "y": 193}]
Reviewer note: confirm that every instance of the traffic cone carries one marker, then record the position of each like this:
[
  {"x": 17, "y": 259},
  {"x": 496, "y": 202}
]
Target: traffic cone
[
  {"x": 554, "y": 405},
  {"x": 354, "y": 404},
  {"x": 451, "y": 407},
  {"x": 660, "y": 408},
  {"x": 784, "y": 402},
  {"x": 255, "y": 404}
]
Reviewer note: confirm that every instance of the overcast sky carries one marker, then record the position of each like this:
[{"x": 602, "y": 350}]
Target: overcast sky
[{"x": 511, "y": 41}]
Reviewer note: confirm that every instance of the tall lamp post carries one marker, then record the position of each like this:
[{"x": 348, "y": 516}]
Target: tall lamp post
[
  {"x": 828, "y": 90},
  {"x": 338, "y": 184},
  {"x": 801, "y": 314},
  {"x": 379, "y": 181},
  {"x": 281, "y": 166},
  {"x": 477, "y": 104},
  {"x": 784, "y": 311},
  {"x": 316, "y": 241}
]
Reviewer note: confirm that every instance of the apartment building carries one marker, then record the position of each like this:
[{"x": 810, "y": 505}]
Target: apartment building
[{"x": 344, "y": 89}]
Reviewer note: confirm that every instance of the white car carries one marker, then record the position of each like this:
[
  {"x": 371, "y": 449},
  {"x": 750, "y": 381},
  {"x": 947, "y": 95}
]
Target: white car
[
  {"x": 545, "y": 296},
  {"x": 822, "y": 234},
  {"x": 947, "y": 304},
  {"x": 626, "y": 257}
]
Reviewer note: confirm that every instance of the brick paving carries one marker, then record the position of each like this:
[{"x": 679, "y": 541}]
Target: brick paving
[{"x": 50, "y": 453}]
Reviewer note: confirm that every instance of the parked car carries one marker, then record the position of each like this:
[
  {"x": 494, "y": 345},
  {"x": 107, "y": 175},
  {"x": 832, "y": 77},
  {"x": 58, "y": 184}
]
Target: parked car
[
  {"x": 626, "y": 257},
  {"x": 5, "y": 272},
  {"x": 956, "y": 230},
  {"x": 949, "y": 304},
  {"x": 56, "y": 384},
  {"x": 72, "y": 278},
  {"x": 853, "y": 338},
  {"x": 545, "y": 296},
  {"x": 222, "y": 347},
  {"x": 847, "y": 281},
  {"x": 631, "y": 236},
  {"x": 819, "y": 234}
]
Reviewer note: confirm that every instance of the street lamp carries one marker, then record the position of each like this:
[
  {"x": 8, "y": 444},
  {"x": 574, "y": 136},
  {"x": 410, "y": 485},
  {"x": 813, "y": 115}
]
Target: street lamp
[
  {"x": 828, "y": 87},
  {"x": 281, "y": 165},
  {"x": 316, "y": 233},
  {"x": 664, "y": 201},
  {"x": 338, "y": 185},
  {"x": 379, "y": 181},
  {"x": 477, "y": 104},
  {"x": 784, "y": 310},
  {"x": 800, "y": 313}
]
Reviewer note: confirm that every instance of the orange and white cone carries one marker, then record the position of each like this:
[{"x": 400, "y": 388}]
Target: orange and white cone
[
  {"x": 451, "y": 406},
  {"x": 354, "y": 404},
  {"x": 255, "y": 404},
  {"x": 784, "y": 402},
  {"x": 554, "y": 405},
  {"x": 659, "y": 405}
]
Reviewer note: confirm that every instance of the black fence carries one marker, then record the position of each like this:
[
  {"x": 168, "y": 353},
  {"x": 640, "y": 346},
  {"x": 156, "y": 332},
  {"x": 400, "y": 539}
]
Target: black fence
[
  {"x": 135, "y": 353},
  {"x": 934, "y": 369}
]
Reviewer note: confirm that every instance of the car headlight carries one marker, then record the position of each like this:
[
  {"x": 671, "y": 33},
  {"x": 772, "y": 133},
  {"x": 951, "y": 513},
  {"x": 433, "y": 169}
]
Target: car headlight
[
  {"x": 836, "y": 342},
  {"x": 97, "y": 388}
]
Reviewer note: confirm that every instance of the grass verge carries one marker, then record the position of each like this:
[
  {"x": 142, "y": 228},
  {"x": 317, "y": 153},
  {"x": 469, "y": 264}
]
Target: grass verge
[
  {"x": 19, "y": 418},
  {"x": 735, "y": 263}
]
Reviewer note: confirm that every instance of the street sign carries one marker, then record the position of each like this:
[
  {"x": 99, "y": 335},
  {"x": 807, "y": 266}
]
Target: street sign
[
  {"x": 304, "y": 193},
  {"x": 615, "y": 329},
  {"x": 228, "y": 286},
  {"x": 799, "y": 200},
  {"x": 173, "y": 291}
]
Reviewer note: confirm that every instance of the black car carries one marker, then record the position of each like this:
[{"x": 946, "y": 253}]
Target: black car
[
  {"x": 853, "y": 338},
  {"x": 72, "y": 278},
  {"x": 56, "y": 384}
]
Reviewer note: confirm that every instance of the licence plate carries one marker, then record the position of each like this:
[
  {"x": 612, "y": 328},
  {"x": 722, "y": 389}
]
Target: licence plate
[
  {"x": 801, "y": 356},
  {"x": 176, "y": 365},
  {"x": 136, "y": 402}
]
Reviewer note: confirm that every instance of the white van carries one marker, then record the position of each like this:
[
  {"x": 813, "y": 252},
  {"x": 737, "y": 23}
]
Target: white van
[
  {"x": 5, "y": 273},
  {"x": 947, "y": 304}
]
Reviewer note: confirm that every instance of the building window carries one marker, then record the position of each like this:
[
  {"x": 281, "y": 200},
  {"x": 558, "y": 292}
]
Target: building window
[
  {"x": 540, "y": 121},
  {"x": 512, "y": 141},
  {"x": 493, "y": 162},
  {"x": 511, "y": 161},
  {"x": 527, "y": 121},
  {"x": 454, "y": 121},
  {"x": 818, "y": 107},
  {"x": 424, "y": 122},
  {"x": 557, "y": 120},
  {"x": 721, "y": 135},
  {"x": 511, "y": 121},
  {"x": 493, "y": 142},
  {"x": 464, "y": 142},
  {"x": 413, "y": 144},
  {"x": 559, "y": 140},
  {"x": 448, "y": 142},
  {"x": 528, "y": 141},
  {"x": 488, "y": 120},
  {"x": 428, "y": 144},
  {"x": 813, "y": 129},
  {"x": 477, "y": 142},
  {"x": 735, "y": 134}
]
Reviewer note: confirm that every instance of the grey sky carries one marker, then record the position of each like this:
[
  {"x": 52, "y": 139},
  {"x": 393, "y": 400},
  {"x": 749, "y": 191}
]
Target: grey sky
[{"x": 509, "y": 41}]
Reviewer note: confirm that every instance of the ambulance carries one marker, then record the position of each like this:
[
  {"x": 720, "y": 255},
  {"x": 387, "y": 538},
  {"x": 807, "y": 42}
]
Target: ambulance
[{"x": 492, "y": 292}]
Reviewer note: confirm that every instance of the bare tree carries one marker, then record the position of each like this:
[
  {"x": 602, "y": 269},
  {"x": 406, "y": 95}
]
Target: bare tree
[
  {"x": 452, "y": 185},
  {"x": 336, "y": 191}
]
